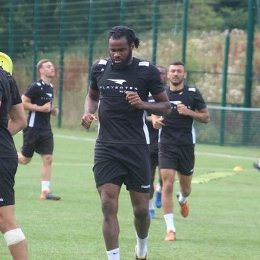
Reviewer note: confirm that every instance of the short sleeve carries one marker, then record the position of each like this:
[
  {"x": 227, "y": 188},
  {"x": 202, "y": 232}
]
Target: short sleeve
[
  {"x": 96, "y": 72},
  {"x": 16, "y": 98},
  {"x": 199, "y": 100},
  {"x": 1, "y": 90},
  {"x": 156, "y": 86}
]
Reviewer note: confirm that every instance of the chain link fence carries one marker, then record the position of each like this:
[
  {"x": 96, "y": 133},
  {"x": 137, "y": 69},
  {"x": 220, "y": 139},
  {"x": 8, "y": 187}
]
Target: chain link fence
[{"x": 73, "y": 34}]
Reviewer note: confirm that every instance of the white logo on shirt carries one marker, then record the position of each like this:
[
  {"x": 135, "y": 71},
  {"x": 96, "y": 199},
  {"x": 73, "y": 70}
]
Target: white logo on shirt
[
  {"x": 192, "y": 89},
  {"x": 176, "y": 102},
  {"x": 1, "y": 199},
  {"x": 118, "y": 81}
]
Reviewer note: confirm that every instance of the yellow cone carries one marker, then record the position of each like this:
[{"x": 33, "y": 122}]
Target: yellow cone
[
  {"x": 238, "y": 168},
  {"x": 6, "y": 62}
]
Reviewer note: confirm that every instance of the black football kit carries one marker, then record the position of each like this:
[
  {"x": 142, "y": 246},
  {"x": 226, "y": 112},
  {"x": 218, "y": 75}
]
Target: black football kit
[
  {"x": 9, "y": 96},
  {"x": 154, "y": 135},
  {"x": 177, "y": 137},
  {"x": 38, "y": 135},
  {"x": 123, "y": 135}
]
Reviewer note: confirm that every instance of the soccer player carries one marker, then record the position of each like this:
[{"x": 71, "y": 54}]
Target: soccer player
[
  {"x": 12, "y": 120},
  {"x": 158, "y": 194},
  {"x": 257, "y": 165},
  {"x": 176, "y": 142},
  {"x": 119, "y": 89},
  {"x": 38, "y": 136},
  {"x": 153, "y": 149}
]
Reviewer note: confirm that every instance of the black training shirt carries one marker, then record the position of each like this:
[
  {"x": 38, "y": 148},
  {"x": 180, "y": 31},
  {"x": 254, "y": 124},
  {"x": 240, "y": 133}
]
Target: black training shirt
[
  {"x": 40, "y": 93},
  {"x": 119, "y": 121},
  {"x": 178, "y": 128},
  {"x": 9, "y": 96}
]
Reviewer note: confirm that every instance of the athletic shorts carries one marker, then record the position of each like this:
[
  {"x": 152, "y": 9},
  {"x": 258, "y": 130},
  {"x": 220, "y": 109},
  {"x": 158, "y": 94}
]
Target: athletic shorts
[
  {"x": 154, "y": 160},
  {"x": 123, "y": 163},
  {"x": 177, "y": 157},
  {"x": 8, "y": 167},
  {"x": 37, "y": 140}
]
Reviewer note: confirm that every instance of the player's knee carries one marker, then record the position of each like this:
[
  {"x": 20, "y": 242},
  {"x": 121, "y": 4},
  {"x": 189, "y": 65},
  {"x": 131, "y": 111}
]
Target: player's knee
[
  {"x": 47, "y": 159},
  {"x": 6, "y": 221},
  {"x": 14, "y": 236},
  {"x": 141, "y": 212},
  {"x": 109, "y": 208},
  {"x": 168, "y": 187}
]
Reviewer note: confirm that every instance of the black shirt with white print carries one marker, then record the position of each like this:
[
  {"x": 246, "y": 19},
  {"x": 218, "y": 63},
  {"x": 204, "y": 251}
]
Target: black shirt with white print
[
  {"x": 9, "y": 96},
  {"x": 178, "y": 128},
  {"x": 119, "y": 121},
  {"x": 40, "y": 93}
]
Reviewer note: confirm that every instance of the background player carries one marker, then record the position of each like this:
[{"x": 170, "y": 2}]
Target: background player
[
  {"x": 176, "y": 143},
  {"x": 153, "y": 149},
  {"x": 38, "y": 136},
  {"x": 12, "y": 120}
]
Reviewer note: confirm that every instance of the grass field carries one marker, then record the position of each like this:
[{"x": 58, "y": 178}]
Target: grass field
[{"x": 224, "y": 221}]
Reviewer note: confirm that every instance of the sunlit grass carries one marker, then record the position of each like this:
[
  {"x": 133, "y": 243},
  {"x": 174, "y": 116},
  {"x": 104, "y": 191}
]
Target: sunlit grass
[{"x": 223, "y": 223}]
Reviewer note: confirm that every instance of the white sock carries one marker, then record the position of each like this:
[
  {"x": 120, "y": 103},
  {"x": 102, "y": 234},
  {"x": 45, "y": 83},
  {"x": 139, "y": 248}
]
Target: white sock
[
  {"x": 46, "y": 185},
  {"x": 151, "y": 206},
  {"x": 113, "y": 254},
  {"x": 158, "y": 187},
  {"x": 169, "y": 220},
  {"x": 182, "y": 199},
  {"x": 141, "y": 249}
]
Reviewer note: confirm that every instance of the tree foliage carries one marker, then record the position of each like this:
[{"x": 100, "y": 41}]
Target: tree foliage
[{"x": 19, "y": 22}]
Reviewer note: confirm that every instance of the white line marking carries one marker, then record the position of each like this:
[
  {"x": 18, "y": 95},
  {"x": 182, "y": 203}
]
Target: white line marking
[
  {"x": 70, "y": 137},
  {"x": 227, "y": 156}
]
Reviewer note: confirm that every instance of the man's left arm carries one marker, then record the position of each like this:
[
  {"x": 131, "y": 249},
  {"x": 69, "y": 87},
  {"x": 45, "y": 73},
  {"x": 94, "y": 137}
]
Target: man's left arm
[
  {"x": 201, "y": 115},
  {"x": 17, "y": 119}
]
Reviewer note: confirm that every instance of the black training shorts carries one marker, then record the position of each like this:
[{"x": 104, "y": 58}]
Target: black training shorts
[
  {"x": 123, "y": 163},
  {"x": 154, "y": 160},
  {"x": 177, "y": 157},
  {"x": 37, "y": 140},
  {"x": 8, "y": 167}
]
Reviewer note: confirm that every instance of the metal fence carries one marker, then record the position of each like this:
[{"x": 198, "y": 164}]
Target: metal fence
[{"x": 73, "y": 34}]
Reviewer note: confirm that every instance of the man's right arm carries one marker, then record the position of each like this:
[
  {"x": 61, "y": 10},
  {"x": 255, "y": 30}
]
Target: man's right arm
[
  {"x": 33, "y": 107},
  {"x": 90, "y": 108}
]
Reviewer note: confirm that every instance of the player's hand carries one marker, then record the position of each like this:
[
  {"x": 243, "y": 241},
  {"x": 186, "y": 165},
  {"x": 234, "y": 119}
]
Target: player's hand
[
  {"x": 87, "y": 120},
  {"x": 183, "y": 110},
  {"x": 55, "y": 111},
  {"x": 134, "y": 100},
  {"x": 157, "y": 122},
  {"x": 46, "y": 107}
]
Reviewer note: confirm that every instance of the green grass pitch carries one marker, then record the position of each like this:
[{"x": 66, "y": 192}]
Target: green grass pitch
[{"x": 224, "y": 221}]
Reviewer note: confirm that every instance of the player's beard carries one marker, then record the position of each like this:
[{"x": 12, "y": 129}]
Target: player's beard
[
  {"x": 177, "y": 83},
  {"x": 124, "y": 63}
]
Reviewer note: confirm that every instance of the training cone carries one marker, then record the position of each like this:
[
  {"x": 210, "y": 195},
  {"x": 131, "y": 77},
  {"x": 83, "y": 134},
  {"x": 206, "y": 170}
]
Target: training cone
[
  {"x": 238, "y": 168},
  {"x": 6, "y": 62}
]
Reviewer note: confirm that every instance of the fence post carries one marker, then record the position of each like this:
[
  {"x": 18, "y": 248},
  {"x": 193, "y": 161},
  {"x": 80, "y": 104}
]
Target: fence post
[
  {"x": 249, "y": 67},
  {"x": 35, "y": 37},
  {"x": 10, "y": 28},
  {"x": 122, "y": 12},
  {"x": 62, "y": 48},
  {"x": 92, "y": 13},
  {"x": 156, "y": 15},
  {"x": 224, "y": 89},
  {"x": 184, "y": 29}
]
